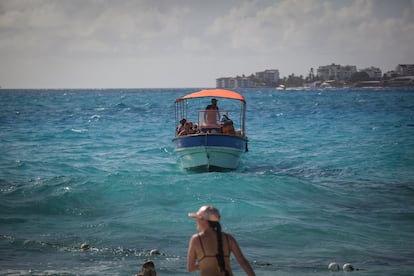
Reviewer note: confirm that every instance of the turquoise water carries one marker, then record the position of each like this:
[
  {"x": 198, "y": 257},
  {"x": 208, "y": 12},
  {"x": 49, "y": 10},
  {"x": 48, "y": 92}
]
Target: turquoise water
[{"x": 329, "y": 177}]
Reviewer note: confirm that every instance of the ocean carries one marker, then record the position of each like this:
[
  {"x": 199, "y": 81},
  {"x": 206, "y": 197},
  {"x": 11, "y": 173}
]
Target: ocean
[{"x": 329, "y": 177}]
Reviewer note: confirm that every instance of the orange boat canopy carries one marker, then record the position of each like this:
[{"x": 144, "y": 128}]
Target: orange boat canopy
[{"x": 219, "y": 93}]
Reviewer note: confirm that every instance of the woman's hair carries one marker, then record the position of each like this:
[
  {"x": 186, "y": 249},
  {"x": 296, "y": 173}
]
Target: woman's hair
[
  {"x": 220, "y": 254},
  {"x": 148, "y": 269}
]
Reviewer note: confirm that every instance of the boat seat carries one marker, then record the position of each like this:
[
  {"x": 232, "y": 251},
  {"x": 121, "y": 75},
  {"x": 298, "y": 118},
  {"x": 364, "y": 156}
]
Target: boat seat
[{"x": 210, "y": 129}]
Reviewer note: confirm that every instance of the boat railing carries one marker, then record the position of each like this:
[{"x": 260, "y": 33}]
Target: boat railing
[
  {"x": 212, "y": 122},
  {"x": 210, "y": 118},
  {"x": 216, "y": 121}
]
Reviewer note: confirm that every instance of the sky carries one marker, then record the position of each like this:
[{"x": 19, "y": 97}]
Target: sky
[{"x": 191, "y": 43}]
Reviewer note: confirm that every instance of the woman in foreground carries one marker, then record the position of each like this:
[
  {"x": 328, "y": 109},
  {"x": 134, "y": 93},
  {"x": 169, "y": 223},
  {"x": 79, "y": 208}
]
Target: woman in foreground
[{"x": 209, "y": 251}]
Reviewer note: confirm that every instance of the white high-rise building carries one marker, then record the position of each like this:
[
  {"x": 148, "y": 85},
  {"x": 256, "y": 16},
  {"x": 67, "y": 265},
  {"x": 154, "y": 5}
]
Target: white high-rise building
[{"x": 336, "y": 72}]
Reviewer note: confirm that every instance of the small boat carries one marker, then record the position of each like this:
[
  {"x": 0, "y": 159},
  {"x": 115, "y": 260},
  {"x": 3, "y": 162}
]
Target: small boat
[
  {"x": 281, "y": 87},
  {"x": 209, "y": 139}
]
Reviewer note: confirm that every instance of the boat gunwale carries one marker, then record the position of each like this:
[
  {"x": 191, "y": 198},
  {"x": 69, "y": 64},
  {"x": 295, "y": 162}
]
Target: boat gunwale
[{"x": 243, "y": 137}]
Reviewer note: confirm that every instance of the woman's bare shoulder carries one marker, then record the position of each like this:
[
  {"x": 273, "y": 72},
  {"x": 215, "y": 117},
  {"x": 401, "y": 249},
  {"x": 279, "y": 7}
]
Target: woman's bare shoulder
[{"x": 196, "y": 235}]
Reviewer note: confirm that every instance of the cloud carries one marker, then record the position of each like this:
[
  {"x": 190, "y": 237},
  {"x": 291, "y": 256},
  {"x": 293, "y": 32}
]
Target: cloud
[
  {"x": 194, "y": 42},
  {"x": 304, "y": 23},
  {"x": 331, "y": 31},
  {"x": 87, "y": 28}
]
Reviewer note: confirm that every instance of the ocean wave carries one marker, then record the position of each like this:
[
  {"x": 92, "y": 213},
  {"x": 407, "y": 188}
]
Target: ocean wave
[{"x": 82, "y": 130}]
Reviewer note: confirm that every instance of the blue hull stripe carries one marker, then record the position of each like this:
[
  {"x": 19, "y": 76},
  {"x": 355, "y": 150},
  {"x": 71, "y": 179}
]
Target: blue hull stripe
[{"x": 210, "y": 140}]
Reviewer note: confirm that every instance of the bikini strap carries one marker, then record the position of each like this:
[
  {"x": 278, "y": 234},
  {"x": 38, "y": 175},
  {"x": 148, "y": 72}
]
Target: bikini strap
[
  {"x": 202, "y": 246},
  {"x": 228, "y": 242}
]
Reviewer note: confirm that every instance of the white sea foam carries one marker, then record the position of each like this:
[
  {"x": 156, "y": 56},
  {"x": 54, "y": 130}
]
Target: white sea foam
[{"x": 81, "y": 130}]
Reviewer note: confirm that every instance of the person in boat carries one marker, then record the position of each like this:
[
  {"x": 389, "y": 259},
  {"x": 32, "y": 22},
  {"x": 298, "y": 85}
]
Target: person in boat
[
  {"x": 192, "y": 128},
  {"x": 188, "y": 129},
  {"x": 212, "y": 114},
  {"x": 196, "y": 129},
  {"x": 181, "y": 127},
  {"x": 209, "y": 250},
  {"x": 227, "y": 126},
  {"x": 147, "y": 269}
]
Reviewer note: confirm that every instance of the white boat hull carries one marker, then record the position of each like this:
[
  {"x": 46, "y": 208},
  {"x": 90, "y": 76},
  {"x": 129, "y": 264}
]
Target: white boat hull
[{"x": 209, "y": 158}]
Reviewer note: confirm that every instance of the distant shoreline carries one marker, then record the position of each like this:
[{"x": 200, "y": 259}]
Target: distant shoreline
[
  {"x": 360, "y": 85},
  {"x": 397, "y": 82}
]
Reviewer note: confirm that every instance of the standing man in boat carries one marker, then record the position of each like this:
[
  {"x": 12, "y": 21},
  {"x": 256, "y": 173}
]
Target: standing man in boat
[{"x": 212, "y": 114}]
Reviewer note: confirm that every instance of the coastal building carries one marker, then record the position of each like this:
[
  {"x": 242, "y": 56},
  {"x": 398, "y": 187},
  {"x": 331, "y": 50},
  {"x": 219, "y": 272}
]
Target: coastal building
[
  {"x": 336, "y": 72},
  {"x": 391, "y": 74},
  {"x": 374, "y": 73},
  {"x": 403, "y": 81},
  {"x": 244, "y": 82},
  {"x": 405, "y": 69},
  {"x": 269, "y": 77},
  {"x": 266, "y": 78},
  {"x": 334, "y": 75},
  {"x": 234, "y": 82},
  {"x": 225, "y": 82}
]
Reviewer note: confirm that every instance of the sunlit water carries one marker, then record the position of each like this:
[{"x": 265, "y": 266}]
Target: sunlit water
[{"x": 329, "y": 177}]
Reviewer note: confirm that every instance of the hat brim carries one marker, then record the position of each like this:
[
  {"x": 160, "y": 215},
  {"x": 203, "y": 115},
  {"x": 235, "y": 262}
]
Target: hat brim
[{"x": 193, "y": 215}]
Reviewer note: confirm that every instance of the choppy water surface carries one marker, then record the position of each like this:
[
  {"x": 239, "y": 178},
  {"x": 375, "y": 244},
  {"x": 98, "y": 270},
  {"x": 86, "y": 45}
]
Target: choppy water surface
[{"x": 328, "y": 178}]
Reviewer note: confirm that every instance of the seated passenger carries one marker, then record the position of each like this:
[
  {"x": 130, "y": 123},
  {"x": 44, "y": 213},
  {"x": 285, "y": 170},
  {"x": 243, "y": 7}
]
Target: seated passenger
[
  {"x": 181, "y": 127},
  {"x": 196, "y": 129},
  {"x": 188, "y": 129},
  {"x": 227, "y": 125}
]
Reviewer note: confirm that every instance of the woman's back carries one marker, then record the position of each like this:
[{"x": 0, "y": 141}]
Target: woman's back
[
  {"x": 209, "y": 250},
  {"x": 207, "y": 253}
]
